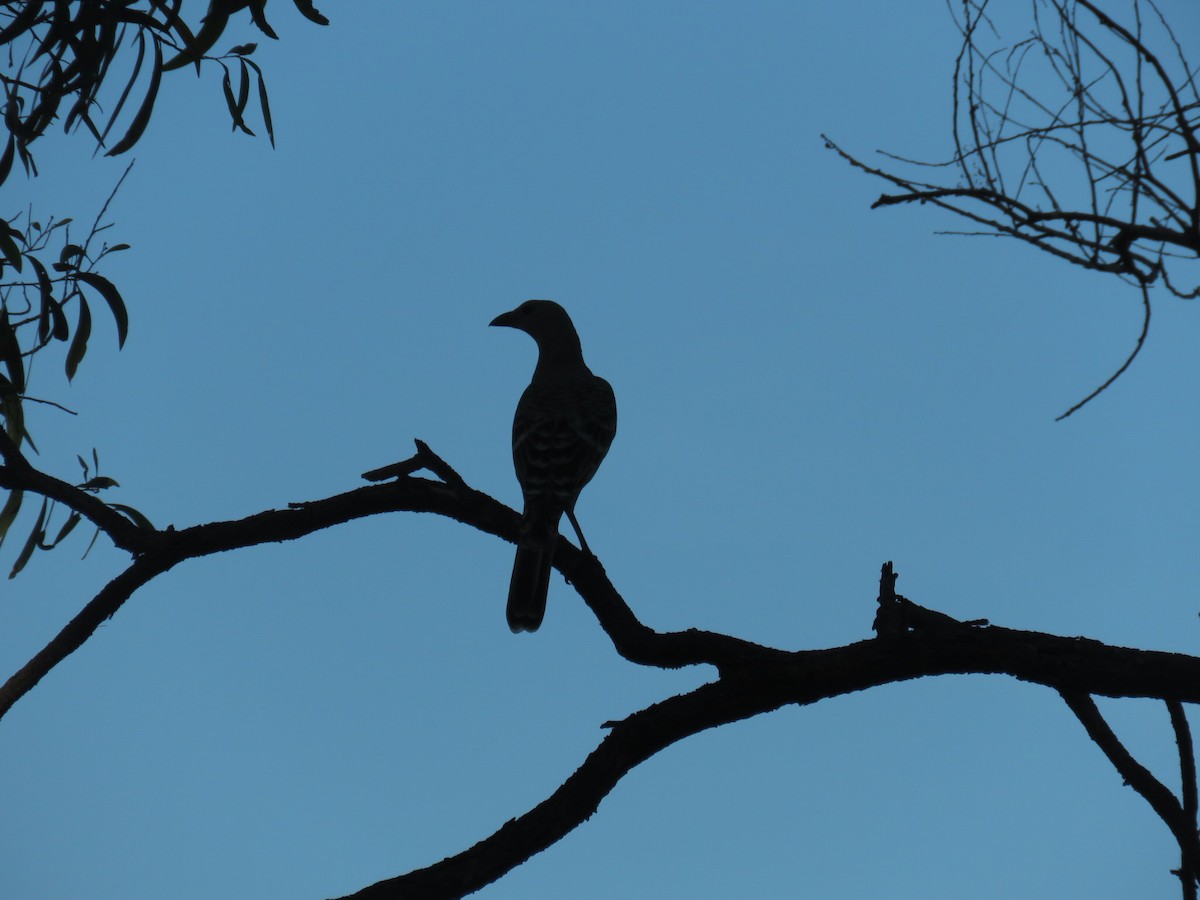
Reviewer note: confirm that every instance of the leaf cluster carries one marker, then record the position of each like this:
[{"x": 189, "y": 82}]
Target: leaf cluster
[
  {"x": 48, "y": 287},
  {"x": 96, "y": 64},
  {"x": 61, "y": 55}
]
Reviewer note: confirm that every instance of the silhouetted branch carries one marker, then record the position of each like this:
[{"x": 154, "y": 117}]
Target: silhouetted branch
[
  {"x": 1138, "y": 777},
  {"x": 423, "y": 459},
  {"x": 1137, "y": 348},
  {"x": 160, "y": 550},
  {"x": 940, "y": 645},
  {"x": 17, "y": 474},
  {"x": 1080, "y": 136},
  {"x": 1189, "y": 876},
  {"x": 913, "y": 642}
]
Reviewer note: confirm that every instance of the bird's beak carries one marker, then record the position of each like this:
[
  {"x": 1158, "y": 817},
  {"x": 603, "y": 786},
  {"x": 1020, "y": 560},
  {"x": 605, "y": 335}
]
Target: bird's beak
[{"x": 503, "y": 319}]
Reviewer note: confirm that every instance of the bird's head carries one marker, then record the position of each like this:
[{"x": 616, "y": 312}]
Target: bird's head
[{"x": 540, "y": 319}]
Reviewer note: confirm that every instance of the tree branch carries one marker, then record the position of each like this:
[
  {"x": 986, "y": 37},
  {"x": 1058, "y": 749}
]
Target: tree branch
[
  {"x": 18, "y": 475},
  {"x": 913, "y": 642},
  {"x": 1189, "y": 875},
  {"x": 1138, "y": 777},
  {"x": 939, "y": 645}
]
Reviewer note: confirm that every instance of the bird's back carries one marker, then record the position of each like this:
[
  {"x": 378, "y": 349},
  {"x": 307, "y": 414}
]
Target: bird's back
[{"x": 561, "y": 432}]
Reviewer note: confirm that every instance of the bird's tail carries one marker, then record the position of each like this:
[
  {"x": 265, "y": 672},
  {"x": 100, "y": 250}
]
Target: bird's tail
[{"x": 531, "y": 575}]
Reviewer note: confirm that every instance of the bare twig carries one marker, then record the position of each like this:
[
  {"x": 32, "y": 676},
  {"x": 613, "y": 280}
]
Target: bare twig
[
  {"x": 1125, "y": 365},
  {"x": 1064, "y": 139},
  {"x": 1138, "y": 777},
  {"x": 1189, "y": 876}
]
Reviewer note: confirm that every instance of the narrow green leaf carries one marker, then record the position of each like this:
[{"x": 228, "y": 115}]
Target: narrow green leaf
[
  {"x": 31, "y": 543},
  {"x": 9, "y": 247},
  {"x": 8, "y": 514},
  {"x": 46, "y": 326},
  {"x": 24, "y": 20},
  {"x": 78, "y": 347},
  {"x": 112, "y": 297},
  {"x": 6, "y": 160},
  {"x": 10, "y": 353},
  {"x": 137, "y": 68},
  {"x": 227, "y": 89},
  {"x": 243, "y": 96},
  {"x": 68, "y": 527},
  {"x": 60, "y": 330},
  {"x": 232, "y": 102},
  {"x": 258, "y": 12},
  {"x": 99, "y": 483},
  {"x": 310, "y": 12},
  {"x": 142, "y": 118},
  {"x": 13, "y": 411},
  {"x": 91, "y": 543},
  {"x": 136, "y": 517},
  {"x": 266, "y": 108}
]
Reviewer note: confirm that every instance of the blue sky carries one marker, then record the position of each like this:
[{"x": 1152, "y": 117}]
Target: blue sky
[{"x": 806, "y": 389}]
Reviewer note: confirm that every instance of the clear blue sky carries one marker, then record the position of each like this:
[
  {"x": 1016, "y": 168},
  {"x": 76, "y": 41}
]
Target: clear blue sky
[{"x": 806, "y": 389}]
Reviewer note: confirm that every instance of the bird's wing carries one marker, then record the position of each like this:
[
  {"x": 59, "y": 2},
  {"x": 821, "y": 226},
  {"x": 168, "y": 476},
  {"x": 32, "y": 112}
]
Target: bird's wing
[{"x": 560, "y": 435}]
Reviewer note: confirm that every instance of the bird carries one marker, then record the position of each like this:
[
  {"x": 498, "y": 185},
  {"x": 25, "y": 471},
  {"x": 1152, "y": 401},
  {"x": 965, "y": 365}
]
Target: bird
[{"x": 564, "y": 424}]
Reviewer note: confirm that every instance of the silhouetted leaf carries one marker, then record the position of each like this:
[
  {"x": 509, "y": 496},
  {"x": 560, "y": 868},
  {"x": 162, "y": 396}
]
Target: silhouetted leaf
[
  {"x": 112, "y": 297},
  {"x": 232, "y": 102},
  {"x": 83, "y": 331},
  {"x": 266, "y": 107},
  {"x": 243, "y": 91},
  {"x": 99, "y": 483},
  {"x": 8, "y": 514},
  {"x": 132, "y": 80},
  {"x": 6, "y": 160},
  {"x": 31, "y": 542},
  {"x": 116, "y": 248},
  {"x": 142, "y": 118},
  {"x": 211, "y": 28},
  {"x": 258, "y": 12},
  {"x": 70, "y": 251},
  {"x": 136, "y": 517},
  {"x": 48, "y": 303},
  {"x": 10, "y": 353},
  {"x": 310, "y": 12},
  {"x": 91, "y": 543},
  {"x": 243, "y": 49},
  {"x": 67, "y": 528},
  {"x": 13, "y": 411},
  {"x": 8, "y": 246},
  {"x": 22, "y": 20}
]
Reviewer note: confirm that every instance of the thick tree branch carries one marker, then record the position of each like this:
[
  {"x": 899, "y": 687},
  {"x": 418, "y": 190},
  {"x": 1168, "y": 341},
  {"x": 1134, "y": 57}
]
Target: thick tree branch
[
  {"x": 82, "y": 627},
  {"x": 18, "y": 474},
  {"x": 936, "y": 644},
  {"x": 913, "y": 642},
  {"x": 161, "y": 550}
]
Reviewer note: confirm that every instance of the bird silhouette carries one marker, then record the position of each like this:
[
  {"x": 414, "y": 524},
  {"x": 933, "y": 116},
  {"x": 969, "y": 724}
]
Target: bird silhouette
[{"x": 565, "y": 422}]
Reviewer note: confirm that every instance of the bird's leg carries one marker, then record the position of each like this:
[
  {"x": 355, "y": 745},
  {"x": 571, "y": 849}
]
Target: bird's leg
[{"x": 575, "y": 524}]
